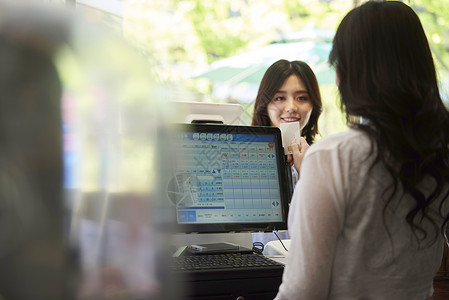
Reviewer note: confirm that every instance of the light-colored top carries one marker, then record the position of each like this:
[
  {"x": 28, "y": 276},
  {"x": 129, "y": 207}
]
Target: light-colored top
[{"x": 340, "y": 248}]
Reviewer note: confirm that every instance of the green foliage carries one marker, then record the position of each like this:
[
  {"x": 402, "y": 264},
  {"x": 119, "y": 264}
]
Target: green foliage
[
  {"x": 295, "y": 10},
  {"x": 178, "y": 36},
  {"x": 433, "y": 15},
  {"x": 213, "y": 21}
]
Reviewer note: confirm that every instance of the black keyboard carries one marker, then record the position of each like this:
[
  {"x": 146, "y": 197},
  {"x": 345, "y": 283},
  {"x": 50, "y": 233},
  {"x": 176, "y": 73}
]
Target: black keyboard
[{"x": 223, "y": 262}]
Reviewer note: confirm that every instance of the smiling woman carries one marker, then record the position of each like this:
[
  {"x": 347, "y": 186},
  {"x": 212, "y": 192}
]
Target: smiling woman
[
  {"x": 290, "y": 104},
  {"x": 289, "y": 92}
]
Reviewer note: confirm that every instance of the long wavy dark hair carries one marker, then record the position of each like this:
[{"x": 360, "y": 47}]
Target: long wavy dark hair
[
  {"x": 273, "y": 79},
  {"x": 387, "y": 76}
]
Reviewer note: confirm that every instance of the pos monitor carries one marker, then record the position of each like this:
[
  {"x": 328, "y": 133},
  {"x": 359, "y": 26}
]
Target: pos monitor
[
  {"x": 228, "y": 178},
  {"x": 205, "y": 112}
]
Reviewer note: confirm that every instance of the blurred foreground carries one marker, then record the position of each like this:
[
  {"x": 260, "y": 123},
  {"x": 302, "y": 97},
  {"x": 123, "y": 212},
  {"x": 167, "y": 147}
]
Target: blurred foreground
[{"x": 81, "y": 215}]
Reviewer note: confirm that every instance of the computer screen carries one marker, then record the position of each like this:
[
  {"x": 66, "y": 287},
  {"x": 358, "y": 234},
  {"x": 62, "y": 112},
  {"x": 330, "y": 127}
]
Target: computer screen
[{"x": 228, "y": 178}]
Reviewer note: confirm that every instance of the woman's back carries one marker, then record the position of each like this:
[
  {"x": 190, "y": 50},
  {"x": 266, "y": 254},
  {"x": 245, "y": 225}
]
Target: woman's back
[
  {"x": 377, "y": 254},
  {"x": 369, "y": 212},
  {"x": 360, "y": 250}
]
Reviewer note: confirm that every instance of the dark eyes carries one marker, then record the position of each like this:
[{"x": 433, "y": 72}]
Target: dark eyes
[{"x": 299, "y": 99}]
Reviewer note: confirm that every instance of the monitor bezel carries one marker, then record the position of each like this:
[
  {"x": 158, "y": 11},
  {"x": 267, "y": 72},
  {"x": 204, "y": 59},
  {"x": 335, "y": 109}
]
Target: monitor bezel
[{"x": 282, "y": 175}]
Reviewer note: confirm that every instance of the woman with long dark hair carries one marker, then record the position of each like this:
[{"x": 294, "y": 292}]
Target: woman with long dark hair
[
  {"x": 306, "y": 107},
  {"x": 368, "y": 215},
  {"x": 289, "y": 92}
]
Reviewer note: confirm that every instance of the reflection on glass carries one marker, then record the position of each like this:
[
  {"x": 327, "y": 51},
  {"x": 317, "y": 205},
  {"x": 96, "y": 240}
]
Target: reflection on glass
[{"x": 78, "y": 177}]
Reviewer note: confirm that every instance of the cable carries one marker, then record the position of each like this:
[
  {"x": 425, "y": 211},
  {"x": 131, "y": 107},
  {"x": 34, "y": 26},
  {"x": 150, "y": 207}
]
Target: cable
[{"x": 274, "y": 231}]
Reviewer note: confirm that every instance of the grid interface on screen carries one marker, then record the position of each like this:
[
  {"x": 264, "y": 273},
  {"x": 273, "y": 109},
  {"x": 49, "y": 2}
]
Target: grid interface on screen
[{"x": 226, "y": 178}]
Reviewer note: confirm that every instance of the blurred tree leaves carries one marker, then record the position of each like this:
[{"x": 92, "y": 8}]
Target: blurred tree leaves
[
  {"x": 179, "y": 35},
  {"x": 433, "y": 15},
  {"x": 194, "y": 31},
  {"x": 219, "y": 26}
]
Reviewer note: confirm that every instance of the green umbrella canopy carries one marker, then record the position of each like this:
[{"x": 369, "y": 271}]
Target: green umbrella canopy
[
  {"x": 250, "y": 67},
  {"x": 244, "y": 72}
]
